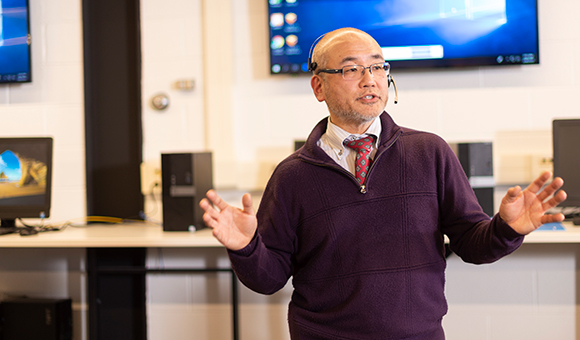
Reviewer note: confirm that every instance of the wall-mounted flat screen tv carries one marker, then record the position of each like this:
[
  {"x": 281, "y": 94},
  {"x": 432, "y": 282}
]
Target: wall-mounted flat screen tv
[
  {"x": 14, "y": 42},
  {"x": 414, "y": 34}
]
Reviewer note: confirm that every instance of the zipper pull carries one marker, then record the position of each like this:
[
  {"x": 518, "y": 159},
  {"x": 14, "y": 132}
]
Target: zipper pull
[{"x": 363, "y": 189}]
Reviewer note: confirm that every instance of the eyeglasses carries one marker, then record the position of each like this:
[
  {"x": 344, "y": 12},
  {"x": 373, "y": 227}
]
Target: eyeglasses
[{"x": 356, "y": 72}]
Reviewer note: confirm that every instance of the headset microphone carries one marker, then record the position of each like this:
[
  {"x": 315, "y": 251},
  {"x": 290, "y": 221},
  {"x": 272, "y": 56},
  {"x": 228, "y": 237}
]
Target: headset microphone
[
  {"x": 312, "y": 65},
  {"x": 392, "y": 80}
]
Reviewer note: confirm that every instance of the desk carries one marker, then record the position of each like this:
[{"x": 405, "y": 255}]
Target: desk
[
  {"x": 126, "y": 235},
  {"x": 125, "y": 240},
  {"x": 140, "y": 235},
  {"x": 570, "y": 234}
]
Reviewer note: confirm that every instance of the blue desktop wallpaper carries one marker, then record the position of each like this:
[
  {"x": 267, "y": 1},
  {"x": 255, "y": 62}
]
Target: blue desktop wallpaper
[
  {"x": 462, "y": 28},
  {"x": 10, "y": 169},
  {"x": 14, "y": 48},
  {"x": 23, "y": 173}
]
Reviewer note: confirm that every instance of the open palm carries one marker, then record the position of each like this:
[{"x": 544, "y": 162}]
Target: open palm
[
  {"x": 232, "y": 227},
  {"x": 525, "y": 210}
]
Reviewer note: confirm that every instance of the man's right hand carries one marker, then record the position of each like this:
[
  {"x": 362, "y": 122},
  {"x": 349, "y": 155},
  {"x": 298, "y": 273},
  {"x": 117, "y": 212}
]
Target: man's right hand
[{"x": 232, "y": 227}]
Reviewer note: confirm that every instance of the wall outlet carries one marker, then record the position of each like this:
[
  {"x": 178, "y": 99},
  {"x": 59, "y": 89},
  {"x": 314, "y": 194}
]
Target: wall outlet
[{"x": 150, "y": 178}]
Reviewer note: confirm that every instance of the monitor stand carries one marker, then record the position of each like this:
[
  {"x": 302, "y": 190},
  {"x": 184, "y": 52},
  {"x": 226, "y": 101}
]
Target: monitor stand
[{"x": 8, "y": 227}]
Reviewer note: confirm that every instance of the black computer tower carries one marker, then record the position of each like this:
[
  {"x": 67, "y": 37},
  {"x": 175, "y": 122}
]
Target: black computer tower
[
  {"x": 36, "y": 318},
  {"x": 185, "y": 178},
  {"x": 477, "y": 162}
]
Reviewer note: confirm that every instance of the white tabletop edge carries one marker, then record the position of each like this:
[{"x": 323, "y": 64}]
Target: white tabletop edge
[
  {"x": 123, "y": 235},
  {"x": 133, "y": 235}
]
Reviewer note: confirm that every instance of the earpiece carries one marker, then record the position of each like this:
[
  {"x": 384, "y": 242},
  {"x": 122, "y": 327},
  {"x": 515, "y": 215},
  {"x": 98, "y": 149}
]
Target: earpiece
[{"x": 311, "y": 66}]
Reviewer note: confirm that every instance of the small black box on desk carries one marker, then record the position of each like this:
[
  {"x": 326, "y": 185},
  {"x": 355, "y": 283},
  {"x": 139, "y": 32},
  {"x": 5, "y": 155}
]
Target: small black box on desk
[
  {"x": 185, "y": 178},
  {"x": 36, "y": 318}
]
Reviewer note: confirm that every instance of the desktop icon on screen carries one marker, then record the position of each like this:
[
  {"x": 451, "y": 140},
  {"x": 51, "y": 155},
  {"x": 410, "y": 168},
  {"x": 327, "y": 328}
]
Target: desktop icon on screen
[
  {"x": 277, "y": 42},
  {"x": 291, "y": 18},
  {"x": 291, "y": 40},
  {"x": 277, "y": 20}
]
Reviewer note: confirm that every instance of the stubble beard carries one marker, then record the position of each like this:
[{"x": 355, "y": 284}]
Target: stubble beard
[{"x": 353, "y": 117}]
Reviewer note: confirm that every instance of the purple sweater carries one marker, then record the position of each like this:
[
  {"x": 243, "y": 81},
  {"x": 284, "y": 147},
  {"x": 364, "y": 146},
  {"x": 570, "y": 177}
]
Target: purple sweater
[{"x": 369, "y": 265}]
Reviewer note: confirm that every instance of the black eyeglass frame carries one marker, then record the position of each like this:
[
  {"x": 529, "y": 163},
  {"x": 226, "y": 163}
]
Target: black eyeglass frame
[{"x": 386, "y": 67}]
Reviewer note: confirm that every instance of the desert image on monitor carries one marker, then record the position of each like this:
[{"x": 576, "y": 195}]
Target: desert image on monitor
[{"x": 21, "y": 176}]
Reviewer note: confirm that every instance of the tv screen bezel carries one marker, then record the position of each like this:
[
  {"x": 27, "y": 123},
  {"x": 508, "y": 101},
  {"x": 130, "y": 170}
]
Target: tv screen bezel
[
  {"x": 10, "y": 212},
  {"x": 28, "y": 79},
  {"x": 415, "y": 64}
]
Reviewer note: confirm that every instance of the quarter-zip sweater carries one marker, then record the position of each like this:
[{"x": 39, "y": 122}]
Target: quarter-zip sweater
[{"x": 368, "y": 262}]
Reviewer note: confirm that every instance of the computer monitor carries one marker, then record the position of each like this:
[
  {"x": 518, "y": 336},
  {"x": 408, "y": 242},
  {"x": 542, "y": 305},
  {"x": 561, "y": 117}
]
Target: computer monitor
[
  {"x": 413, "y": 34},
  {"x": 566, "y": 143},
  {"x": 25, "y": 180}
]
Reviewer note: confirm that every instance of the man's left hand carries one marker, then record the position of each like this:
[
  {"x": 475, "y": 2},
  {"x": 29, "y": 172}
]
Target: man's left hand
[{"x": 525, "y": 210}]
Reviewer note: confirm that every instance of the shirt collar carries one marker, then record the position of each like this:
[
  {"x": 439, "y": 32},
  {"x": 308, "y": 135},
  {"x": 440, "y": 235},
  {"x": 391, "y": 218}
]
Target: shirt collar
[{"x": 337, "y": 135}]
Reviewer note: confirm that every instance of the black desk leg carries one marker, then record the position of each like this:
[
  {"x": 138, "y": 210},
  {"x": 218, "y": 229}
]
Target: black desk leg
[
  {"x": 235, "y": 325},
  {"x": 117, "y": 308},
  {"x": 117, "y": 293}
]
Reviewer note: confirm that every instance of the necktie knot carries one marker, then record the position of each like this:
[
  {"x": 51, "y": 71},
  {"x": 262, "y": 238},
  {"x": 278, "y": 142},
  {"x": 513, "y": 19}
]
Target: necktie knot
[{"x": 362, "y": 146}]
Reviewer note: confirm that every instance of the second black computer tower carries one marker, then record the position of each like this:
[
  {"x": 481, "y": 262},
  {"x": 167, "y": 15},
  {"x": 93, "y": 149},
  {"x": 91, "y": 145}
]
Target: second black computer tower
[
  {"x": 477, "y": 162},
  {"x": 185, "y": 178},
  {"x": 36, "y": 318}
]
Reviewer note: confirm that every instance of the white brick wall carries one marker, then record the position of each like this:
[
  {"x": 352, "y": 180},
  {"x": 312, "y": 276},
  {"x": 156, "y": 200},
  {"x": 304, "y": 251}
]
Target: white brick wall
[{"x": 53, "y": 104}]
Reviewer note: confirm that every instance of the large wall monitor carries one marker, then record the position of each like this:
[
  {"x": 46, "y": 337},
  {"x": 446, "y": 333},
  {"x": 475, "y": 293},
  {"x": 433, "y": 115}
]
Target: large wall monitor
[
  {"x": 413, "y": 33},
  {"x": 15, "y": 57}
]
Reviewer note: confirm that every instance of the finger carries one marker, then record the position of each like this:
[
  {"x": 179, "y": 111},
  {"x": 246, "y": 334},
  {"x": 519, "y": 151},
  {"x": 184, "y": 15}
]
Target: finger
[
  {"x": 247, "y": 204},
  {"x": 512, "y": 194},
  {"x": 208, "y": 220},
  {"x": 551, "y": 189},
  {"x": 216, "y": 200},
  {"x": 204, "y": 204},
  {"x": 554, "y": 201},
  {"x": 539, "y": 182},
  {"x": 560, "y": 196},
  {"x": 556, "y": 184},
  {"x": 218, "y": 234},
  {"x": 552, "y": 218},
  {"x": 208, "y": 208}
]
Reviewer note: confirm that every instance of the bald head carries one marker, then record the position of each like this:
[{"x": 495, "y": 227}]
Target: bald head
[{"x": 332, "y": 41}]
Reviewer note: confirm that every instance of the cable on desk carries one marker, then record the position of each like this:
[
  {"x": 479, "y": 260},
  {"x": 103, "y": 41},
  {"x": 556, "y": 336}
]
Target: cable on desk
[
  {"x": 29, "y": 229},
  {"x": 145, "y": 215}
]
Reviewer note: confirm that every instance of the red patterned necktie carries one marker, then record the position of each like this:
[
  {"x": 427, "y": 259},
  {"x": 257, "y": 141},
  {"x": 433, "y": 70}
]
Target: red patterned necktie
[{"x": 362, "y": 147}]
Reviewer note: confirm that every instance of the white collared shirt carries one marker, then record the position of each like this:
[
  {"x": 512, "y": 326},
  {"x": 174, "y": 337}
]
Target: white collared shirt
[{"x": 332, "y": 143}]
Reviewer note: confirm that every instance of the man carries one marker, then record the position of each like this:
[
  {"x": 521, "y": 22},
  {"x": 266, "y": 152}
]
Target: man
[{"x": 366, "y": 253}]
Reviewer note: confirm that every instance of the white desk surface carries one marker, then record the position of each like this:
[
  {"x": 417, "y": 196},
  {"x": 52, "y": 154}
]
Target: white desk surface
[
  {"x": 571, "y": 234},
  {"x": 149, "y": 235},
  {"x": 111, "y": 236}
]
